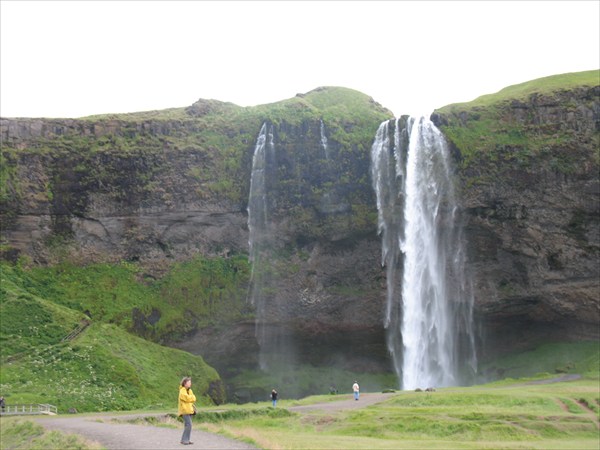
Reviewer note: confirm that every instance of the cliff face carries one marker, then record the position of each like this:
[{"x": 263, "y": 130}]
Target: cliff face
[
  {"x": 160, "y": 187},
  {"x": 155, "y": 189},
  {"x": 112, "y": 190},
  {"x": 530, "y": 193}
]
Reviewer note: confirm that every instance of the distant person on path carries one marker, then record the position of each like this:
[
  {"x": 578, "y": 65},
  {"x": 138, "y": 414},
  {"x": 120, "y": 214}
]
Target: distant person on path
[
  {"x": 186, "y": 408},
  {"x": 356, "y": 390},
  {"x": 274, "y": 397},
  {"x": 2, "y": 404}
]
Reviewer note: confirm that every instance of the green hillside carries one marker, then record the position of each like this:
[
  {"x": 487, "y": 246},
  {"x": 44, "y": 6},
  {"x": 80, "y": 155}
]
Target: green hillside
[
  {"x": 521, "y": 91},
  {"x": 199, "y": 292},
  {"x": 27, "y": 320},
  {"x": 104, "y": 368}
]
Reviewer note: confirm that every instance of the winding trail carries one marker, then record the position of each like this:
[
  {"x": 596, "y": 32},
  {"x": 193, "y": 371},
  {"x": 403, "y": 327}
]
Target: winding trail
[
  {"x": 109, "y": 431},
  {"x": 124, "y": 436},
  {"x": 340, "y": 405}
]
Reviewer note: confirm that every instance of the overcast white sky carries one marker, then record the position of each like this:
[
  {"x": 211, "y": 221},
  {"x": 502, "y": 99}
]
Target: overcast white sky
[{"x": 71, "y": 59}]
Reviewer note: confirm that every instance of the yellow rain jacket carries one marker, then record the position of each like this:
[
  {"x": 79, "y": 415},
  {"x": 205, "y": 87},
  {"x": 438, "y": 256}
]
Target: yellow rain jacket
[{"x": 186, "y": 400}]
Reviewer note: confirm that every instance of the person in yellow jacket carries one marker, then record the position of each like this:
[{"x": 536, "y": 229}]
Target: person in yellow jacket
[{"x": 186, "y": 408}]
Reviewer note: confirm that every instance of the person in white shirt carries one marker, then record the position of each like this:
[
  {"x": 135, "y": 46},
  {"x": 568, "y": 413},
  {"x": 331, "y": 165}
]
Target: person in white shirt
[{"x": 356, "y": 390}]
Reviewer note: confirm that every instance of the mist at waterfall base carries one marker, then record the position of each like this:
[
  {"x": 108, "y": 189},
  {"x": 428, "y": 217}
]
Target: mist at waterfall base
[{"x": 429, "y": 305}]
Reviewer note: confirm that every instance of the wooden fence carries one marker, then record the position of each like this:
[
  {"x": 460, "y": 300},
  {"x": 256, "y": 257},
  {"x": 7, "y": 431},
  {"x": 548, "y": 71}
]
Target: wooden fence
[{"x": 32, "y": 408}]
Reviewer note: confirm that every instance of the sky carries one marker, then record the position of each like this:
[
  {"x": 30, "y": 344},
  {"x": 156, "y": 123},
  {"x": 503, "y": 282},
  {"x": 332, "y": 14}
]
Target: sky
[{"x": 73, "y": 59}]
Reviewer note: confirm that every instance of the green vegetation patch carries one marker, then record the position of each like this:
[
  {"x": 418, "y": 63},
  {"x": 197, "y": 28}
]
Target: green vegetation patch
[
  {"x": 533, "y": 124},
  {"x": 19, "y": 434},
  {"x": 522, "y": 91},
  {"x": 200, "y": 292},
  {"x": 29, "y": 320},
  {"x": 303, "y": 380},
  {"x": 559, "y": 358},
  {"x": 127, "y": 156},
  {"x": 105, "y": 369},
  {"x": 511, "y": 416}
]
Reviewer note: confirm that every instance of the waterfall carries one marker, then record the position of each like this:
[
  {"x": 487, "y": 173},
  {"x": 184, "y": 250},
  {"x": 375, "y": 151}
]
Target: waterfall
[
  {"x": 257, "y": 201},
  {"x": 324, "y": 141},
  {"x": 258, "y": 226},
  {"x": 276, "y": 345},
  {"x": 428, "y": 317}
]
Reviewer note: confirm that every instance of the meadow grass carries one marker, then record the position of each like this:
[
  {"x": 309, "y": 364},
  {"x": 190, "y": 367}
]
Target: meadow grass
[
  {"x": 511, "y": 415},
  {"x": 19, "y": 434},
  {"x": 297, "y": 381},
  {"x": 104, "y": 369},
  {"x": 555, "y": 357},
  {"x": 517, "y": 415}
]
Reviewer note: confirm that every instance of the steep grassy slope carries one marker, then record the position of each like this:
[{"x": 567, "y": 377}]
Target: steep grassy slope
[
  {"x": 27, "y": 320},
  {"x": 104, "y": 368},
  {"x": 200, "y": 292}
]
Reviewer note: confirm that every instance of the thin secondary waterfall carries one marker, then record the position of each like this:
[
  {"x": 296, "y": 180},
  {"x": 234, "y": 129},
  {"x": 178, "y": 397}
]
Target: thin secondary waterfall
[
  {"x": 324, "y": 141},
  {"x": 428, "y": 315},
  {"x": 276, "y": 346},
  {"x": 258, "y": 225}
]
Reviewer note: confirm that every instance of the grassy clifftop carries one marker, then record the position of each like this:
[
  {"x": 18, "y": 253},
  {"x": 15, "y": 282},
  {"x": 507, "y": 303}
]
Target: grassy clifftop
[
  {"x": 546, "y": 122},
  {"x": 213, "y": 140},
  {"x": 521, "y": 91}
]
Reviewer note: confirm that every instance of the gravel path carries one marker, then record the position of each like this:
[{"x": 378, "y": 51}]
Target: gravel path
[
  {"x": 100, "y": 427},
  {"x": 347, "y": 403},
  {"x": 136, "y": 437},
  {"x": 567, "y": 377}
]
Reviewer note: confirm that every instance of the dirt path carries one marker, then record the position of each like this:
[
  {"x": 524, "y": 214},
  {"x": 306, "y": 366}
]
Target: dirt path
[
  {"x": 567, "y": 377},
  {"x": 125, "y": 436},
  {"x": 347, "y": 403},
  {"x": 588, "y": 411}
]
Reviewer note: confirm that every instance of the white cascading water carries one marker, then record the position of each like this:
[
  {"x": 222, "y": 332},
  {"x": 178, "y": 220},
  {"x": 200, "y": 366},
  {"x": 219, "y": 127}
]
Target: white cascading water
[
  {"x": 258, "y": 225},
  {"x": 324, "y": 141},
  {"x": 429, "y": 303}
]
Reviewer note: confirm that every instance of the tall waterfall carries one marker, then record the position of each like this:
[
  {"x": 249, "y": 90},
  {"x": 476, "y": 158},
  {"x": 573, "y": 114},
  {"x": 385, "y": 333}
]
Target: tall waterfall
[
  {"x": 428, "y": 316},
  {"x": 258, "y": 225}
]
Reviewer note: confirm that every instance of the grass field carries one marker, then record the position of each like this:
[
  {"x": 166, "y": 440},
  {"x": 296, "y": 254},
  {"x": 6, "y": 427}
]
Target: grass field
[
  {"x": 527, "y": 413},
  {"x": 505, "y": 415},
  {"x": 517, "y": 414},
  {"x": 16, "y": 433}
]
